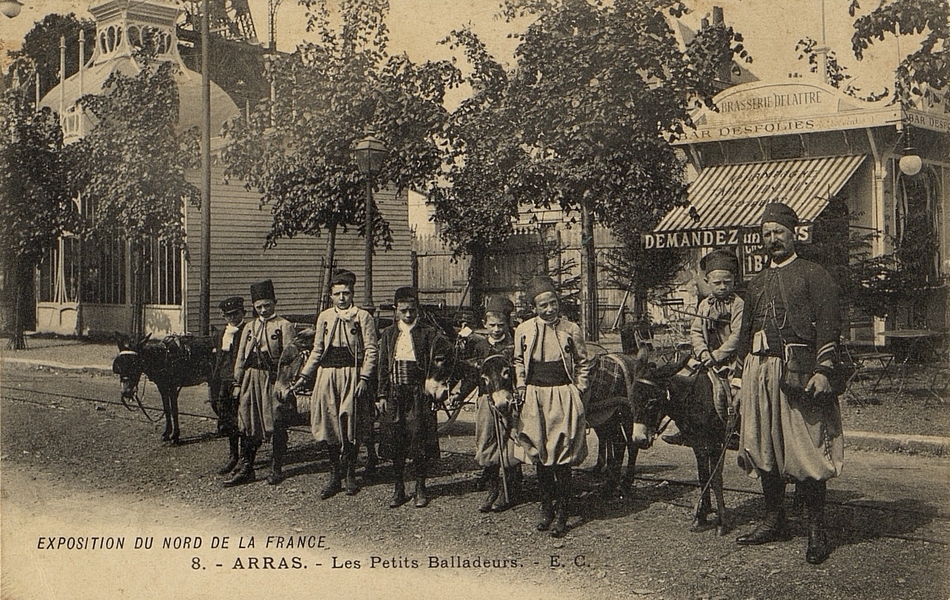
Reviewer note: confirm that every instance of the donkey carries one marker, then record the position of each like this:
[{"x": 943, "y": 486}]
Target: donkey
[
  {"x": 704, "y": 427},
  {"x": 172, "y": 363},
  {"x": 622, "y": 410}
]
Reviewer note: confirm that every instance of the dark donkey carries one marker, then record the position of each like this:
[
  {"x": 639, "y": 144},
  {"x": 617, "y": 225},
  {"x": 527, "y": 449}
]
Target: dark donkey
[
  {"x": 623, "y": 410},
  {"x": 705, "y": 428},
  {"x": 172, "y": 363}
]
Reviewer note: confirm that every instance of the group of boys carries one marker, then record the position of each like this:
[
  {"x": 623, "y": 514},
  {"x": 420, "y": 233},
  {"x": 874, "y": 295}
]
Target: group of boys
[
  {"x": 744, "y": 346},
  {"x": 347, "y": 364}
]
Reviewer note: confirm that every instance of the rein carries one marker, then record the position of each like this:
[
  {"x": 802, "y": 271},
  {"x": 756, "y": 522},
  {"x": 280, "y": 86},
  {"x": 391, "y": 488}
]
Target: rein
[{"x": 135, "y": 391}]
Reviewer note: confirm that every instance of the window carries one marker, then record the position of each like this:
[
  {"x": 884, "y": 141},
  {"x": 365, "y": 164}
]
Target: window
[
  {"x": 163, "y": 283},
  {"x": 103, "y": 281}
]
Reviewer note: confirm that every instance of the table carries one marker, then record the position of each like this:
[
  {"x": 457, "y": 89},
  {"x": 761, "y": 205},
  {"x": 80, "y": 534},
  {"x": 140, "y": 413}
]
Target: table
[{"x": 919, "y": 342}]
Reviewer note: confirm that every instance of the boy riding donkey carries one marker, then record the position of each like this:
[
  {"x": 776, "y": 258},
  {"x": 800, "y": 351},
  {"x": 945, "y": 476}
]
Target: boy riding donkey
[
  {"x": 714, "y": 334},
  {"x": 344, "y": 361}
]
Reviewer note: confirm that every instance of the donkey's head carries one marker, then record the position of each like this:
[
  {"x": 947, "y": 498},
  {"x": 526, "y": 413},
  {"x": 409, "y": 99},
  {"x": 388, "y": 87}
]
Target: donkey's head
[
  {"x": 496, "y": 380},
  {"x": 649, "y": 387},
  {"x": 128, "y": 363}
]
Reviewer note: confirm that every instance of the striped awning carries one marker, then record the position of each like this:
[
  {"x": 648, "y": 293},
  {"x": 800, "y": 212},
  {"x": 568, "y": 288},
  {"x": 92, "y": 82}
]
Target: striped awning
[{"x": 734, "y": 196}]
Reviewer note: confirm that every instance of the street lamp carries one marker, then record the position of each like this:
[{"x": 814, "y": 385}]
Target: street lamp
[
  {"x": 369, "y": 152},
  {"x": 10, "y": 8},
  {"x": 909, "y": 163}
]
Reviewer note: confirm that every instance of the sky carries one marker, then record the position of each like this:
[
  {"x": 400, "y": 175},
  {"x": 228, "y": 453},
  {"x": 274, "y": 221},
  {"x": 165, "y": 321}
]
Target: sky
[{"x": 770, "y": 28}]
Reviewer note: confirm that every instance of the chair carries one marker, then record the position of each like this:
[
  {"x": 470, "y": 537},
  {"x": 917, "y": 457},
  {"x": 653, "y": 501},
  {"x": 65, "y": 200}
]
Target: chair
[{"x": 869, "y": 364}]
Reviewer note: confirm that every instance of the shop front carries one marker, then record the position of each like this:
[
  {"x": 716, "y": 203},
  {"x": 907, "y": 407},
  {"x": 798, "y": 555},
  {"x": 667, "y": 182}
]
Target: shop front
[{"x": 830, "y": 157}]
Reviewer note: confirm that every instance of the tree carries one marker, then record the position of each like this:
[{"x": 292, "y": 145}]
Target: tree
[
  {"x": 600, "y": 91},
  {"x": 41, "y": 47},
  {"x": 297, "y": 151},
  {"x": 36, "y": 200},
  {"x": 835, "y": 72},
  {"x": 130, "y": 169},
  {"x": 922, "y": 75}
]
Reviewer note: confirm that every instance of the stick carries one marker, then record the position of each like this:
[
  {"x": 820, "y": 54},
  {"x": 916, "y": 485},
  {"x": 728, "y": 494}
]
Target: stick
[{"x": 502, "y": 447}]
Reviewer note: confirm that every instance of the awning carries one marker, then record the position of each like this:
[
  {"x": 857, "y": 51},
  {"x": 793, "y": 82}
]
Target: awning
[{"x": 734, "y": 196}]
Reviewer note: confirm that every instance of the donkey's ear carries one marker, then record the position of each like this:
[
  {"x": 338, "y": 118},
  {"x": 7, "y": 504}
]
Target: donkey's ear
[
  {"x": 121, "y": 341},
  {"x": 141, "y": 342}
]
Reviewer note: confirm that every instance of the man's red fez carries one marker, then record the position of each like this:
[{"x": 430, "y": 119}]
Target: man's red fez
[
  {"x": 783, "y": 214},
  {"x": 499, "y": 304}
]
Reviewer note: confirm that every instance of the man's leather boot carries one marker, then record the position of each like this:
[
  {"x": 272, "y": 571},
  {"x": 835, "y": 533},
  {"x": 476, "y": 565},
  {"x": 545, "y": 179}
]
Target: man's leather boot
[
  {"x": 562, "y": 500},
  {"x": 349, "y": 464},
  {"x": 422, "y": 496},
  {"x": 773, "y": 527},
  {"x": 399, "y": 487},
  {"x": 818, "y": 546},
  {"x": 245, "y": 469}
]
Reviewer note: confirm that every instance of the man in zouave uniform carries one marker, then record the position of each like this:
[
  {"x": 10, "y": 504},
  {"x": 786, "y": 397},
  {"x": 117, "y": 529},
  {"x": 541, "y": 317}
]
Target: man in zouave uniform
[
  {"x": 714, "y": 334},
  {"x": 221, "y": 382},
  {"x": 344, "y": 361},
  {"x": 790, "y": 417},
  {"x": 551, "y": 372},
  {"x": 255, "y": 371},
  {"x": 408, "y": 425},
  {"x": 492, "y": 419}
]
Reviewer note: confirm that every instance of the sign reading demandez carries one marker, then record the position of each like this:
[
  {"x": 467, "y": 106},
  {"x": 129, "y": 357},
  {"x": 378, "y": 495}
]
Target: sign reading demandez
[{"x": 710, "y": 238}]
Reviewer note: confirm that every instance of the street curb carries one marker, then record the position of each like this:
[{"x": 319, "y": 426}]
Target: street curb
[
  {"x": 862, "y": 440},
  {"x": 908, "y": 444},
  {"x": 52, "y": 364}
]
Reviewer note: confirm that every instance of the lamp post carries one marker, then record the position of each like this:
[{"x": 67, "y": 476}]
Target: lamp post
[{"x": 369, "y": 152}]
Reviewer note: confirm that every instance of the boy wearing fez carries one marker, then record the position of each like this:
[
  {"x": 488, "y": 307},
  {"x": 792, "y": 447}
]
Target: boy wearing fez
[
  {"x": 551, "y": 372},
  {"x": 221, "y": 381},
  {"x": 343, "y": 359},
  {"x": 714, "y": 334},
  {"x": 408, "y": 427},
  {"x": 494, "y": 420},
  {"x": 255, "y": 371}
]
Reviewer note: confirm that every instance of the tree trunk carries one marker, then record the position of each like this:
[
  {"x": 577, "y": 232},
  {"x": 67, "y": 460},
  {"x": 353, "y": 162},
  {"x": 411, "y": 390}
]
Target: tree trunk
[
  {"x": 24, "y": 278},
  {"x": 331, "y": 253},
  {"x": 589, "y": 261},
  {"x": 475, "y": 277},
  {"x": 137, "y": 260}
]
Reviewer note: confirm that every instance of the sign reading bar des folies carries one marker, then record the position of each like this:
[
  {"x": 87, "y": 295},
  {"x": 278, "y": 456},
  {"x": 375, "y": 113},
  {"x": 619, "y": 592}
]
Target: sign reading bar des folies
[{"x": 765, "y": 109}]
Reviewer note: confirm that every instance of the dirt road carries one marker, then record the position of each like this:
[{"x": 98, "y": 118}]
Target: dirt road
[{"x": 76, "y": 468}]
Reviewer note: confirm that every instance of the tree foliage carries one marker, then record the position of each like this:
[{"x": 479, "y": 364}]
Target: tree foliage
[
  {"x": 585, "y": 121},
  {"x": 924, "y": 73},
  {"x": 836, "y": 73},
  {"x": 35, "y": 197},
  {"x": 41, "y": 47},
  {"x": 131, "y": 167},
  {"x": 298, "y": 150}
]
